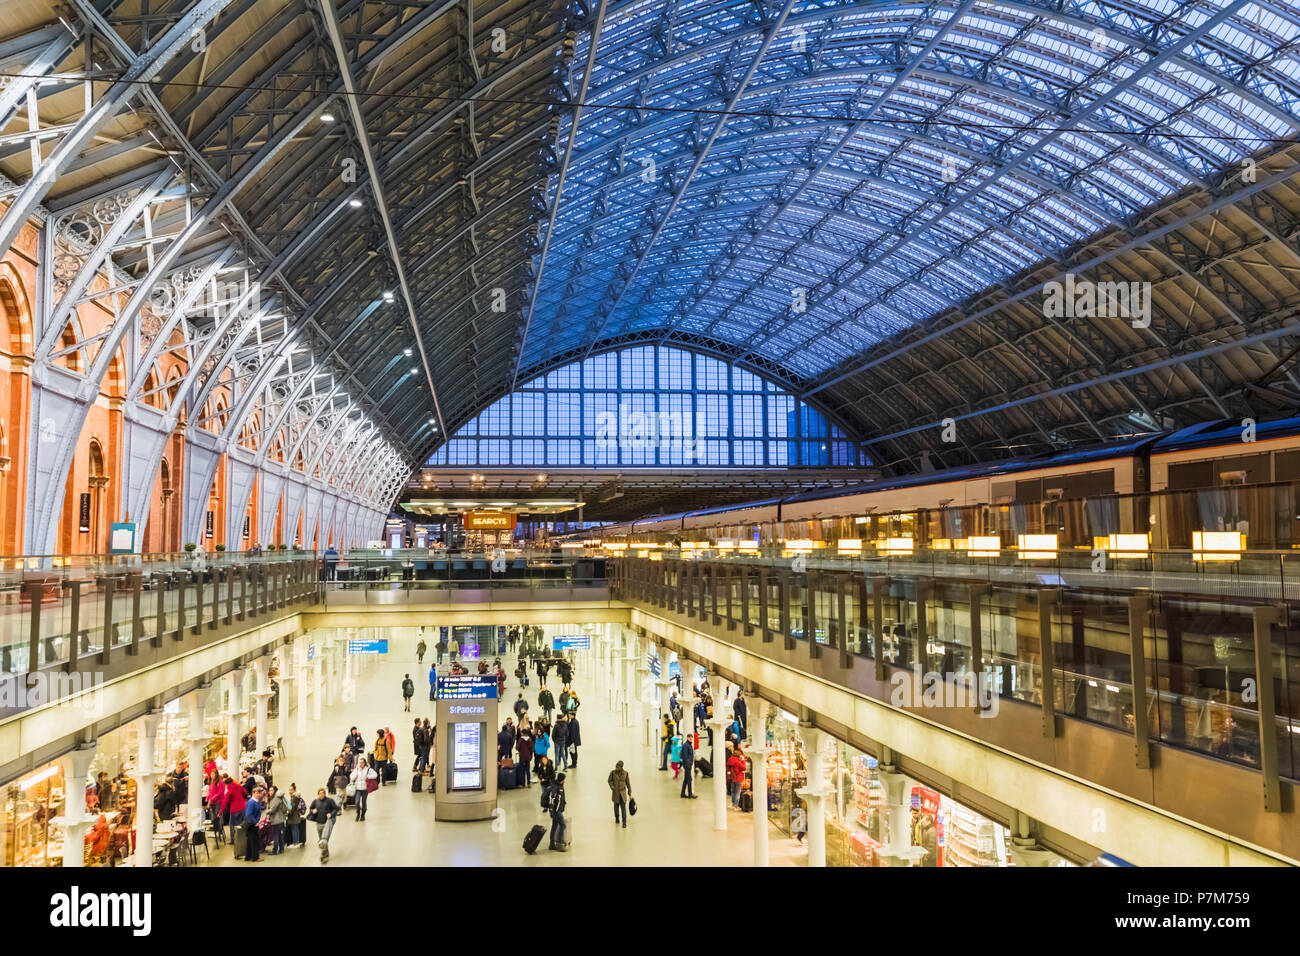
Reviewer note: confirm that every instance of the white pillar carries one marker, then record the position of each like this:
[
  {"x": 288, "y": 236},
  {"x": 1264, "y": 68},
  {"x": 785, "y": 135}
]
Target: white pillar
[
  {"x": 76, "y": 820},
  {"x": 260, "y": 707},
  {"x": 285, "y": 680},
  {"x": 303, "y": 672},
  {"x": 815, "y": 793},
  {"x": 146, "y": 773},
  {"x": 317, "y": 686},
  {"x": 234, "y": 715},
  {"x": 196, "y": 739},
  {"x": 758, "y": 753}
]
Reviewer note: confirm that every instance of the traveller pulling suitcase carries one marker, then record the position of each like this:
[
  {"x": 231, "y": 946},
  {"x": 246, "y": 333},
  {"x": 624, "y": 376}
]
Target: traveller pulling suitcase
[{"x": 534, "y": 838}]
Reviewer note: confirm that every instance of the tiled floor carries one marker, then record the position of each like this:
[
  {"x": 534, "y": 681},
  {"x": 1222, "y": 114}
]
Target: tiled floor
[{"x": 399, "y": 829}]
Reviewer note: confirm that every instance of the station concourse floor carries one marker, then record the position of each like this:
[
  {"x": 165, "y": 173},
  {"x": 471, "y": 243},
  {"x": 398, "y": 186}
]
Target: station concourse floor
[{"x": 399, "y": 829}]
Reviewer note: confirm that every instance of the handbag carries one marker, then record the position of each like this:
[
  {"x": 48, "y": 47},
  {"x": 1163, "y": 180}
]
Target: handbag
[
  {"x": 350, "y": 790},
  {"x": 631, "y": 805}
]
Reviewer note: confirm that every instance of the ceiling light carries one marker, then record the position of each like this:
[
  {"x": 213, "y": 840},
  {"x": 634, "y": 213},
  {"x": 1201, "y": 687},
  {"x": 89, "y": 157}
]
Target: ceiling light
[
  {"x": 388, "y": 296},
  {"x": 327, "y": 117},
  {"x": 415, "y": 371},
  {"x": 354, "y": 203},
  {"x": 406, "y": 352}
]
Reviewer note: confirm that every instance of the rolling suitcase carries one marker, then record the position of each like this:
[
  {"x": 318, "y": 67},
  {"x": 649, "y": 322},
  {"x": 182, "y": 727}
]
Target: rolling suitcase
[
  {"x": 704, "y": 766},
  {"x": 417, "y": 783},
  {"x": 534, "y": 838},
  {"x": 505, "y": 778},
  {"x": 390, "y": 771},
  {"x": 241, "y": 842},
  {"x": 747, "y": 802}
]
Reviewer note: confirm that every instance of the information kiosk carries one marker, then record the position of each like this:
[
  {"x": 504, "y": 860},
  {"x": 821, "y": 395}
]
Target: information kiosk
[{"x": 467, "y": 747}]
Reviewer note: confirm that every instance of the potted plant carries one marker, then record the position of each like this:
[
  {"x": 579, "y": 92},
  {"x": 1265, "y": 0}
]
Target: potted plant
[
  {"x": 219, "y": 547},
  {"x": 190, "y": 546}
]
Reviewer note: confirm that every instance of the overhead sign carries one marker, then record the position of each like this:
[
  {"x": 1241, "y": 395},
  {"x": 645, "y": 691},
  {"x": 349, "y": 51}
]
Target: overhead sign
[
  {"x": 571, "y": 642},
  {"x": 489, "y": 521},
  {"x": 368, "y": 646},
  {"x": 466, "y": 687}
]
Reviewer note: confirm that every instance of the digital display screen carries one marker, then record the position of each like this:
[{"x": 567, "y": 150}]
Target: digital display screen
[
  {"x": 466, "y": 687},
  {"x": 566, "y": 642},
  {"x": 467, "y": 756},
  {"x": 469, "y": 650}
]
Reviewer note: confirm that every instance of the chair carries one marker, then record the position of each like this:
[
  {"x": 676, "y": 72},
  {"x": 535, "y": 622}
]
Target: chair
[{"x": 199, "y": 838}]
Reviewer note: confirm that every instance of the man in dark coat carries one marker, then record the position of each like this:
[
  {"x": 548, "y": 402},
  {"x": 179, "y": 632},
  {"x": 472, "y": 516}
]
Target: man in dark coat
[
  {"x": 560, "y": 738},
  {"x": 575, "y": 737},
  {"x": 740, "y": 709},
  {"x": 506, "y": 739}
]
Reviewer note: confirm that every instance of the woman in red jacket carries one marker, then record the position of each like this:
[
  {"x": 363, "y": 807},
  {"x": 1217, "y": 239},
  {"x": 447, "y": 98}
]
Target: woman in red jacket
[
  {"x": 216, "y": 799},
  {"x": 735, "y": 775},
  {"x": 235, "y": 801}
]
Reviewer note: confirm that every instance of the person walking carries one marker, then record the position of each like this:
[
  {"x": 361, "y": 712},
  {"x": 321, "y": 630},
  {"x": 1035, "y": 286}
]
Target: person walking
[
  {"x": 408, "y": 691},
  {"x": 391, "y": 739},
  {"x": 620, "y": 789},
  {"x": 355, "y": 742},
  {"x": 521, "y": 707},
  {"x": 546, "y": 777},
  {"x": 560, "y": 738},
  {"x": 253, "y": 816},
  {"x": 675, "y": 757},
  {"x": 454, "y": 648},
  {"x": 524, "y": 748},
  {"x": 419, "y": 652},
  {"x": 556, "y": 804},
  {"x": 668, "y": 728},
  {"x": 688, "y": 764},
  {"x": 433, "y": 682},
  {"x": 441, "y": 648},
  {"x": 236, "y": 800},
  {"x": 546, "y": 701},
  {"x": 277, "y": 812},
  {"x": 323, "y": 812},
  {"x": 362, "y": 774},
  {"x": 297, "y": 817},
  {"x": 740, "y": 710},
  {"x": 420, "y": 747},
  {"x": 575, "y": 738}
]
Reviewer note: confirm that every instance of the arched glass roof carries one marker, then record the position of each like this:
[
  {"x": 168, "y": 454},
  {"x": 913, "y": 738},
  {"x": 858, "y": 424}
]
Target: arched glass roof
[
  {"x": 799, "y": 181},
  {"x": 650, "y": 407}
]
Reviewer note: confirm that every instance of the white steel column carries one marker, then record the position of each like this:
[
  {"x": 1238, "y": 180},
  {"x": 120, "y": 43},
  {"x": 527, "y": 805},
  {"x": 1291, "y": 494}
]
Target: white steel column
[
  {"x": 285, "y": 681},
  {"x": 260, "y": 698},
  {"x": 758, "y": 753},
  {"x": 718, "y": 724},
  {"x": 815, "y": 793},
  {"x": 234, "y": 715},
  {"x": 76, "y": 820},
  {"x": 146, "y": 772},
  {"x": 317, "y": 686},
  {"x": 196, "y": 740},
  {"x": 304, "y": 675}
]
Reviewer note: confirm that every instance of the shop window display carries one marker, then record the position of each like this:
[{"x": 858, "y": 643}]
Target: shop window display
[{"x": 29, "y": 805}]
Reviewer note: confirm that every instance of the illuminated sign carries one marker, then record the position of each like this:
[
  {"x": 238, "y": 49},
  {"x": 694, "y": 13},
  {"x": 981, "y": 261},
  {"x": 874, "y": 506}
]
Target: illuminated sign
[
  {"x": 368, "y": 646},
  {"x": 466, "y": 687},
  {"x": 489, "y": 521},
  {"x": 574, "y": 642},
  {"x": 467, "y": 756}
]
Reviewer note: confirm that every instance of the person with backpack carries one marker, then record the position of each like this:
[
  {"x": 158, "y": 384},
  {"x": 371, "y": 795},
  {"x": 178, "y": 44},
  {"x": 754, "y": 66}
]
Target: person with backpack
[
  {"x": 441, "y": 647},
  {"x": 669, "y": 729},
  {"x": 323, "y": 812},
  {"x": 688, "y": 764},
  {"x": 564, "y": 701},
  {"x": 565, "y": 670},
  {"x": 546, "y": 701},
  {"x": 297, "y": 818},
  {"x": 381, "y": 754},
  {"x": 560, "y": 738},
  {"x": 408, "y": 691},
  {"x": 740, "y": 709},
  {"x": 521, "y": 707},
  {"x": 521, "y": 674},
  {"x": 556, "y": 804},
  {"x": 620, "y": 789},
  {"x": 675, "y": 758},
  {"x": 419, "y": 652}
]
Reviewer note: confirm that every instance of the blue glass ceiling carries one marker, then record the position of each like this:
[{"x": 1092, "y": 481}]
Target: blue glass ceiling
[{"x": 883, "y": 162}]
